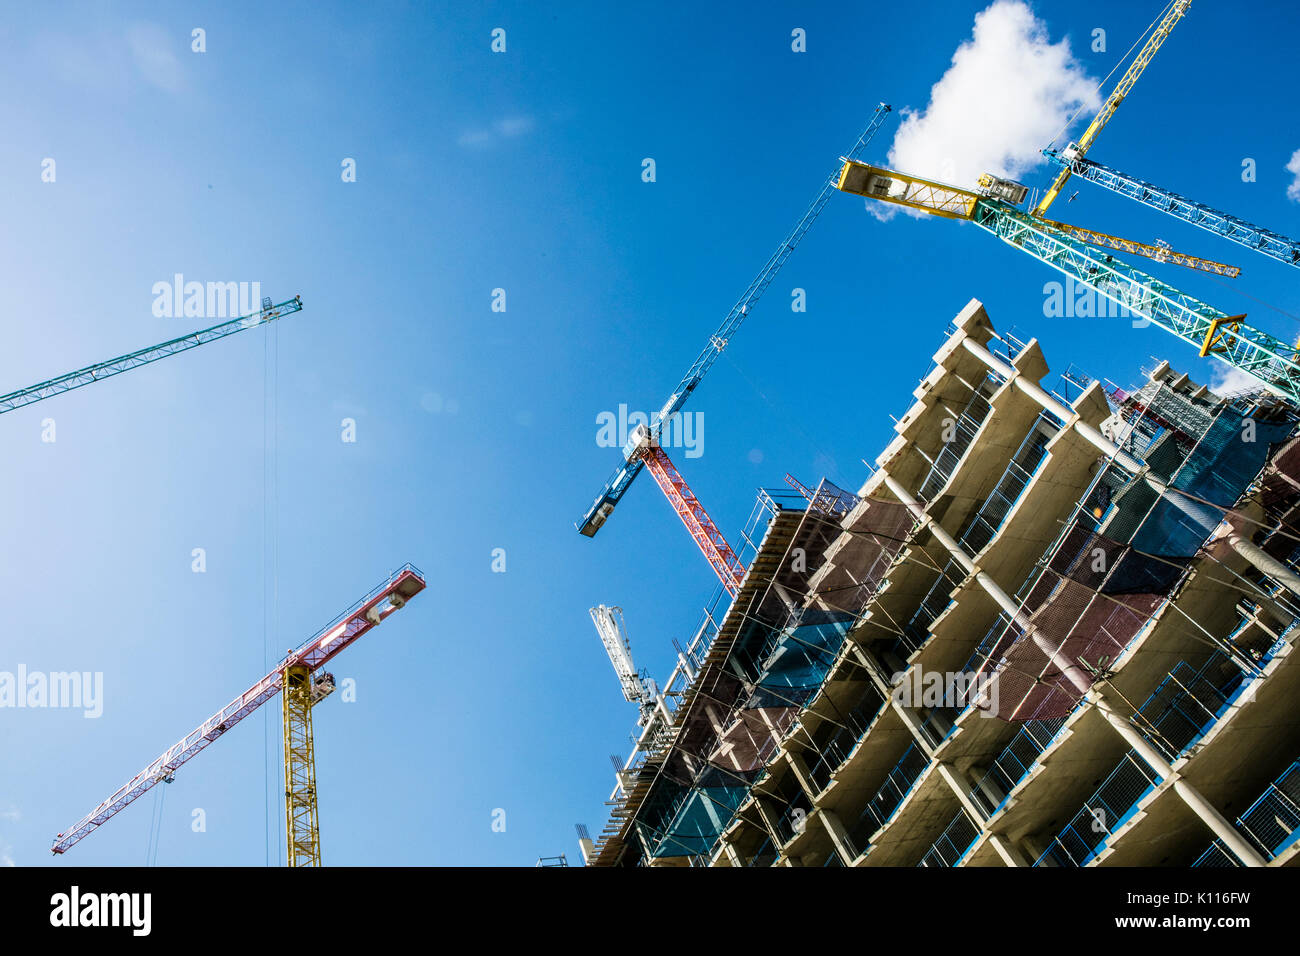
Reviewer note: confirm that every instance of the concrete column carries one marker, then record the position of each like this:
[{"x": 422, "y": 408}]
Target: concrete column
[
  {"x": 874, "y": 669},
  {"x": 769, "y": 816},
  {"x": 800, "y": 770},
  {"x": 732, "y": 855},
  {"x": 1072, "y": 671},
  {"x": 1265, "y": 562},
  {"x": 980, "y": 776},
  {"x": 961, "y": 788},
  {"x": 913, "y": 724},
  {"x": 1057, "y": 408},
  {"x": 1010, "y": 855},
  {"x": 1035, "y": 848},
  {"x": 1202, "y": 514},
  {"x": 1150, "y": 756},
  {"x": 1224, "y": 830},
  {"x": 839, "y": 837}
]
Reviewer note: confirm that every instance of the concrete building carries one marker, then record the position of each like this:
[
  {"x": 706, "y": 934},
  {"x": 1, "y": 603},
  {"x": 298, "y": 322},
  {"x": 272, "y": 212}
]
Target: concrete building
[{"x": 1054, "y": 628}]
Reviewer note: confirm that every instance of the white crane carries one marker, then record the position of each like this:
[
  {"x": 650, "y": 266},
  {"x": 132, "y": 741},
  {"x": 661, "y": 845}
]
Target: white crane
[{"x": 637, "y": 688}]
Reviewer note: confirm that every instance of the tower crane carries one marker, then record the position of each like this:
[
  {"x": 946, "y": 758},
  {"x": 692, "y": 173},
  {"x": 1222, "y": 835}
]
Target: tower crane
[
  {"x": 1158, "y": 253},
  {"x": 102, "y": 370},
  {"x": 1177, "y": 9},
  {"x": 637, "y": 687},
  {"x": 1268, "y": 359},
  {"x": 642, "y": 448},
  {"x": 304, "y": 684},
  {"x": 1240, "y": 231}
]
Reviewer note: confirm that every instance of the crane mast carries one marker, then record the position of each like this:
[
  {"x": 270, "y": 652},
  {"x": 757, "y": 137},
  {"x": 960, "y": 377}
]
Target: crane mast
[
  {"x": 310, "y": 656},
  {"x": 302, "y": 830},
  {"x": 623, "y": 476},
  {"x": 123, "y": 363},
  {"x": 1261, "y": 240},
  {"x": 1177, "y": 9}
]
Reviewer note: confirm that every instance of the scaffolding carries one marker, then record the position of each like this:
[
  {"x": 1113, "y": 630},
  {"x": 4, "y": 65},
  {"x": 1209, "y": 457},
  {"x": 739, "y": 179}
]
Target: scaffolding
[{"x": 841, "y": 587}]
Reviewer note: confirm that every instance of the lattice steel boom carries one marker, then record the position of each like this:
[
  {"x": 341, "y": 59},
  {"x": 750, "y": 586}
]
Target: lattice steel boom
[
  {"x": 1261, "y": 240},
  {"x": 1177, "y": 9},
  {"x": 1269, "y": 359},
  {"x": 1156, "y": 253},
  {"x": 720, "y": 555},
  {"x": 622, "y": 478},
  {"x": 123, "y": 363},
  {"x": 344, "y": 630}
]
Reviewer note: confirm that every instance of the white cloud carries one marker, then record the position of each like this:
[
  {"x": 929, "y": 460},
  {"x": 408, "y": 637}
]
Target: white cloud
[
  {"x": 513, "y": 125},
  {"x": 509, "y": 127},
  {"x": 1227, "y": 380},
  {"x": 154, "y": 51},
  {"x": 1009, "y": 91},
  {"x": 1293, "y": 167}
]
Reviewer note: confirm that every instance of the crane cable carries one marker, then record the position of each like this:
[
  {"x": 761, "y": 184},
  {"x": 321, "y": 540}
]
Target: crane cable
[
  {"x": 270, "y": 553},
  {"x": 1075, "y": 115},
  {"x": 790, "y": 420},
  {"x": 155, "y": 826}
]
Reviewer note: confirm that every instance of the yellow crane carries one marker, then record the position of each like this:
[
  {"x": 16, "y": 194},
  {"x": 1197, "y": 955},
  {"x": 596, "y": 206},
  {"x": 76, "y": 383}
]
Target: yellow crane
[
  {"x": 1158, "y": 252},
  {"x": 302, "y": 683},
  {"x": 1275, "y": 363},
  {"x": 953, "y": 202},
  {"x": 1177, "y": 9}
]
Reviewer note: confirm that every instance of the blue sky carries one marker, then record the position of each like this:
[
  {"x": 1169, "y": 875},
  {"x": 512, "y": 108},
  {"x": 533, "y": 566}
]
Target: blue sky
[{"x": 477, "y": 429}]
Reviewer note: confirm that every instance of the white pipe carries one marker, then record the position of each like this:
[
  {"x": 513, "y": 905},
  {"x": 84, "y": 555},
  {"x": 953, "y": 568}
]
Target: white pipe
[
  {"x": 1072, "y": 671},
  {"x": 1261, "y": 560}
]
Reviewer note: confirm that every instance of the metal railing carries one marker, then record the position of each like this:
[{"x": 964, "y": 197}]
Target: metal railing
[
  {"x": 1020, "y": 470},
  {"x": 886, "y": 801},
  {"x": 1080, "y": 840},
  {"x": 845, "y": 738},
  {"x": 1187, "y": 703},
  {"x": 1015, "y": 762},
  {"x": 917, "y": 629},
  {"x": 765, "y": 855},
  {"x": 953, "y": 844},
  {"x": 964, "y": 427},
  {"x": 1273, "y": 821},
  {"x": 1216, "y": 855}
]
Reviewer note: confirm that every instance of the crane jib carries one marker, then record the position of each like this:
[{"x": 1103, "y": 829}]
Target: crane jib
[
  {"x": 123, "y": 363},
  {"x": 327, "y": 643},
  {"x": 609, "y": 496}
]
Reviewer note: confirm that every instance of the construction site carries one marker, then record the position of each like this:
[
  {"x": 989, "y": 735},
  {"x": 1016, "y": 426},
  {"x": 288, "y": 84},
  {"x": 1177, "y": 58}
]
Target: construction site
[
  {"x": 1053, "y": 627},
  {"x": 1103, "y": 585},
  {"x": 1047, "y": 619}
]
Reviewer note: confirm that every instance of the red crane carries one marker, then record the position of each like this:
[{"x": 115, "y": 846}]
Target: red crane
[
  {"x": 302, "y": 664},
  {"x": 720, "y": 555}
]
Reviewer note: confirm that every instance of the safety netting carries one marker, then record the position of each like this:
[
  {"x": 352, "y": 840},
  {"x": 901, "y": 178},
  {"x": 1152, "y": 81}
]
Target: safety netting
[
  {"x": 743, "y": 704},
  {"x": 1123, "y": 556}
]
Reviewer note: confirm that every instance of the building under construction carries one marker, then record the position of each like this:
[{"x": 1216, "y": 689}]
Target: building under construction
[{"x": 1054, "y": 628}]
